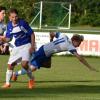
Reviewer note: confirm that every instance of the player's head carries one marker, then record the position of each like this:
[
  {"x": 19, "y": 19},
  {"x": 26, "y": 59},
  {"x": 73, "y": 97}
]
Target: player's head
[
  {"x": 2, "y": 13},
  {"x": 77, "y": 39},
  {"x": 13, "y": 15}
]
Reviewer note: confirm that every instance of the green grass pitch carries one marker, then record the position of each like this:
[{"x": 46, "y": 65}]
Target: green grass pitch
[{"x": 67, "y": 79}]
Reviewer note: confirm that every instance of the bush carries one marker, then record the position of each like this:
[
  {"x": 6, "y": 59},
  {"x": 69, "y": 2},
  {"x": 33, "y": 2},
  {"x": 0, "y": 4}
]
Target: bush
[
  {"x": 90, "y": 19},
  {"x": 74, "y": 19}
]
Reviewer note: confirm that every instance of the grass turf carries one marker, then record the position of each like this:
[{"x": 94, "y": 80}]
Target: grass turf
[{"x": 67, "y": 79}]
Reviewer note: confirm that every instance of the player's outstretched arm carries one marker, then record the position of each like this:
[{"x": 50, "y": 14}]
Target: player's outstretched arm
[
  {"x": 32, "y": 49},
  {"x": 83, "y": 61}
]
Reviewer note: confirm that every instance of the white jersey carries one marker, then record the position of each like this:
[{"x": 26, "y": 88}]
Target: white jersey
[
  {"x": 2, "y": 28},
  {"x": 62, "y": 43}
]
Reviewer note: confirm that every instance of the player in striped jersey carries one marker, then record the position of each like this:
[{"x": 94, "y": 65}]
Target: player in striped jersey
[{"x": 24, "y": 45}]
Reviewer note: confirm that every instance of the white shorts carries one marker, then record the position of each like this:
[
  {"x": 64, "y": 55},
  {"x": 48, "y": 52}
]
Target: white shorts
[{"x": 19, "y": 54}]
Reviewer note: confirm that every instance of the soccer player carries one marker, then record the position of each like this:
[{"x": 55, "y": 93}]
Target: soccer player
[
  {"x": 2, "y": 15},
  {"x": 2, "y": 27},
  {"x": 62, "y": 43},
  {"x": 24, "y": 45}
]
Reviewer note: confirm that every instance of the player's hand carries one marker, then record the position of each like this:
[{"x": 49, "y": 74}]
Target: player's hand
[
  {"x": 31, "y": 50},
  {"x": 0, "y": 39},
  {"x": 93, "y": 69}
]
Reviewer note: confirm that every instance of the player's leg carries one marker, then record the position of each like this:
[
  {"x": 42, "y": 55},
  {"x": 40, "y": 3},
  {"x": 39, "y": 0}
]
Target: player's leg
[
  {"x": 31, "y": 82},
  {"x": 9, "y": 75},
  {"x": 22, "y": 72},
  {"x": 18, "y": 73},
  {"x": 11, "y": 63},
  {"x": 25, "y": 60}
]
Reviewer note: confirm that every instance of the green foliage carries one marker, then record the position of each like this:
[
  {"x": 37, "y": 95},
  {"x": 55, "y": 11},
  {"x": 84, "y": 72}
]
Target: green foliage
[
  {"x": 87, "y": 19},
  {"x": 90, "y": 19},
  {"x": 84, "y": 12},
  {"x": 88, "y": 12}
]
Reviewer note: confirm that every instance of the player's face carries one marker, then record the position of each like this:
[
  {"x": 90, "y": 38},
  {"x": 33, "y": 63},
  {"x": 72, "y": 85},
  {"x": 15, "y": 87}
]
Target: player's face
[
  {"x": 2, "y": 15},
  {"x": 13, "y": 17},
  {"x": 76, "y": 43}
]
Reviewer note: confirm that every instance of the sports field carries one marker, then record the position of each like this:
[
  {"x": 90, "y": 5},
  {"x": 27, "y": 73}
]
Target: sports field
[{"x": 66, "y": 80}]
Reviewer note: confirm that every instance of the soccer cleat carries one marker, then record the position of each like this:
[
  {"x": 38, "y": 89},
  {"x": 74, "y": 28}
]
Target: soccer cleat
[
  {"x": 31, "y": 84},
  {"x": 14, "y": 77},
  {"x": 6, "y": 86}
]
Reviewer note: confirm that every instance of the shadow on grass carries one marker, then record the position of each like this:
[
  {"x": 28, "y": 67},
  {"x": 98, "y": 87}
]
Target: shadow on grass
[
  {"x": 49, "y": 90},
  {"x": 69, "y": 81},
  {"x": 62, "y": 81}
]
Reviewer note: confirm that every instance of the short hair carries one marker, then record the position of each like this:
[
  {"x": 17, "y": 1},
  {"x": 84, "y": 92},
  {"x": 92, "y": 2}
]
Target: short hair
[
  {"x": 2, "y": 8},
  {"x": 77, "y": 37},
  {"x": 13, "y": 10}
]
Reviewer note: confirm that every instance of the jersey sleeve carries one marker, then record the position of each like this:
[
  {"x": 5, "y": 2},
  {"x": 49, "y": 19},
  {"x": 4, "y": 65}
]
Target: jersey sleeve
[
  {"x": 7, "y": 32},
  {"x": 26, "y": 28},
  {"x": 73, "y": 51}
]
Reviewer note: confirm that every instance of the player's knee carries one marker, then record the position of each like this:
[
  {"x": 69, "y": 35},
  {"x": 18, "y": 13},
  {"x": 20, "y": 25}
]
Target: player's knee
[
  {"x": 10, "y": 67},
  {"x": 25, "y": 65},
  {"x": 33, "y": 68}
]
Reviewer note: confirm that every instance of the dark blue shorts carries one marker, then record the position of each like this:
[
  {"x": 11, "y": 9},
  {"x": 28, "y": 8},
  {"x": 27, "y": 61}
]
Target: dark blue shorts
[{"x": 39, "y": 58}]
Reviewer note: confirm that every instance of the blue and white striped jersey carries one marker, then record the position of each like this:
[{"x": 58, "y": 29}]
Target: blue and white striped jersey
[
  {"x": 21, "y": 32},
  {"x": 62, "y": 43}
]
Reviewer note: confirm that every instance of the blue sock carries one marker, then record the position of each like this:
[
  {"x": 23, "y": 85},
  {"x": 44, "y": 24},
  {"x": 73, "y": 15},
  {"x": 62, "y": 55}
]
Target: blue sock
[{"x": 21, "y": 72}]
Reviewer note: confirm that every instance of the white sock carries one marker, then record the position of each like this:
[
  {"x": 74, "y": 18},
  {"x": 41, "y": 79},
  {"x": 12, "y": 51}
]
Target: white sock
[
  {"x": 19, "y": 72},
  {"x": 8, "y": 76}
]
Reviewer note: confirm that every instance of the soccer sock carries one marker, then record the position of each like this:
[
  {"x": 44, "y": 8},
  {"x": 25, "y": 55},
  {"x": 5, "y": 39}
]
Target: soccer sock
[
  {"x": 21, "y": 72},
  {"x": 29, "y": 73},
  {"x": 8, "y": 76}
]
